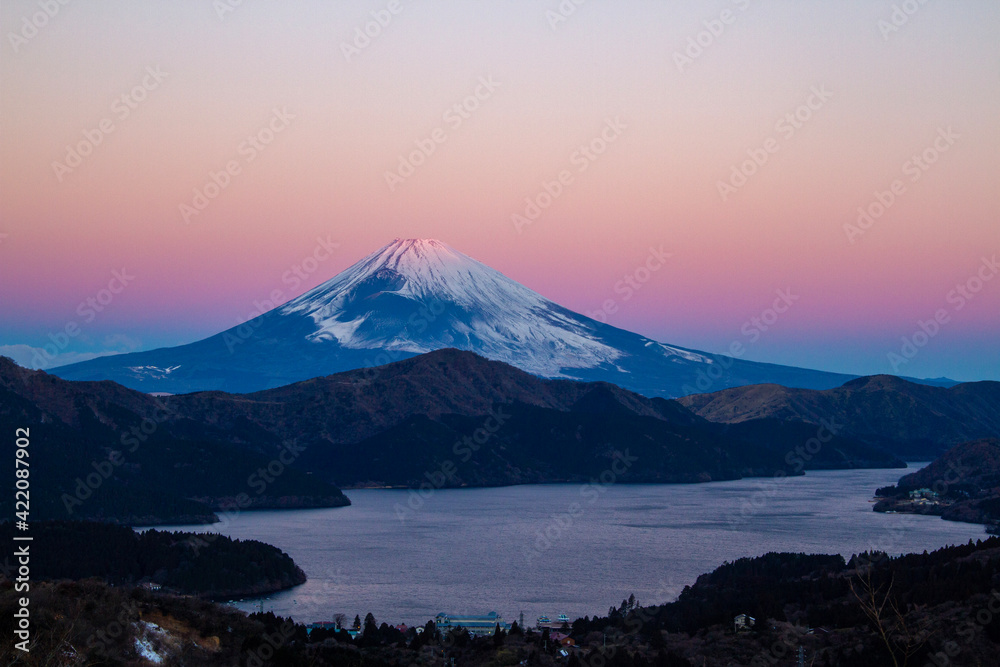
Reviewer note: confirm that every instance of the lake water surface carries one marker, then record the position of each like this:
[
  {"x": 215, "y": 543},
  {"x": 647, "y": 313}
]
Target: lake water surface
[{"x": 551, "y": 549}]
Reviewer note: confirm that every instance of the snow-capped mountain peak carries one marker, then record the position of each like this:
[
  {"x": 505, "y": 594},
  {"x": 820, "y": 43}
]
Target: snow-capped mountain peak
[
  {"x": 416, "y": 268},
  {"x": 418, "y": 295}
]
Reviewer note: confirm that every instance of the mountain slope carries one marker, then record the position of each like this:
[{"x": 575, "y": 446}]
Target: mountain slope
[
  {"x": 906, "y": 418},
  {"x": 449, "y": 417},
  {"x": 413, "y": 417},
  {"x": 414, "y": 296},
  {"x": 103, "y": 452},
  {"x": 964, "y": 481},
  {"x": 204, "y": 565}
]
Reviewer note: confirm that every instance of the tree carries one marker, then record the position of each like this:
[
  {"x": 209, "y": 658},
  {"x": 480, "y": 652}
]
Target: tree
[
  {"x": 458, "y": 637},
  {"x": 420, "y": 639},
  {"x": 656, "y": 637},
  {"x": 357, "y": 622},
  {"x": 370, "y": 635},
  {"x": 339, "y": 620},
  {"x": 900, "y": 640}
]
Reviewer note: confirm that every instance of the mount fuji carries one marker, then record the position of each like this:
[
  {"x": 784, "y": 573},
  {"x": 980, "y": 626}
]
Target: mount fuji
[{"x": 418, "y": 295}]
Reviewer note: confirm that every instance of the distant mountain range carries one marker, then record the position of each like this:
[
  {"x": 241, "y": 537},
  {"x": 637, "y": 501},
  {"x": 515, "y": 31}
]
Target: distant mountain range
[
  {"x": 397, "y": 424},
  {"x": 911, "y": 420},
  {"x": 415, "y": 296},
  {"x": 447, "y": 418}
]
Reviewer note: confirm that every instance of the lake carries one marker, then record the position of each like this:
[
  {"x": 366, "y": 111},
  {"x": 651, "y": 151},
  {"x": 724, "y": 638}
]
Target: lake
[{"x": 573, "y": 549}]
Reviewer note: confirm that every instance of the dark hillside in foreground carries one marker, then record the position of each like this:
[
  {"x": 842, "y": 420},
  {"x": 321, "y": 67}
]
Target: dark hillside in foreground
[
  {"x": 939, "y": 608},
  {"x": 207, "y": 565},
  {"x": 872, "y": 611}
]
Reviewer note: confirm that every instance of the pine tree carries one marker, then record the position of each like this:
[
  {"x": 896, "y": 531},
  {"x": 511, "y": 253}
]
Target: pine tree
[{"x": 371, "y": 627}]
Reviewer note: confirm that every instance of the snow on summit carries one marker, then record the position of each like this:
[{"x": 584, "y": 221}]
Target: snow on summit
[
  {"x": 416, "y": 268},
  {"x": 418, "y": 295}
]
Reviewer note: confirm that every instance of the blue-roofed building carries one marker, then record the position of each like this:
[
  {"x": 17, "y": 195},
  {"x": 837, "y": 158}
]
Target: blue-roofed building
[
  {"x": 480, "y": 626},
  {"x": 322, "y": 625},
  {"x": 330, "y": 625}
]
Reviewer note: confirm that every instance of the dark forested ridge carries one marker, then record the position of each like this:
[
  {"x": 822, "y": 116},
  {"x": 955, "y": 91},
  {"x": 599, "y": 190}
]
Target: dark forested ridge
[
  {"x": 102, "y": 452},
  {"x": 481, "y": 422},
  {"x": 908, "y": 419},
  {"x": 207, "y": 565},
  {"x": 963, "y": 484},
  {"x": 940, "y": 608}
]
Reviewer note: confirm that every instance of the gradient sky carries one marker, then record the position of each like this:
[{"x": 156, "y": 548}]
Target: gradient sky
[{"x": 323, "y": 176}]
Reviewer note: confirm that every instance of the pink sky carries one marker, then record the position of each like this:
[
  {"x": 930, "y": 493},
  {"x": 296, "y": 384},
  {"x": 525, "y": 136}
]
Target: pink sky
[{"x": 347, "y": 121}]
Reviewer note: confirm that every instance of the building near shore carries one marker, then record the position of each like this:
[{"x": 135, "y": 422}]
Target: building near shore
[
  {"x": 330, "y": 626},
  {"x": 562, "y": 639},
  {"x": 558, "y": 624},
  {"x": 480, "y": 626}
]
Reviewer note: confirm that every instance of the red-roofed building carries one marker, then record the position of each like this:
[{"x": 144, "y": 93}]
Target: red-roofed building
[{"x": 562, "y": 639}]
